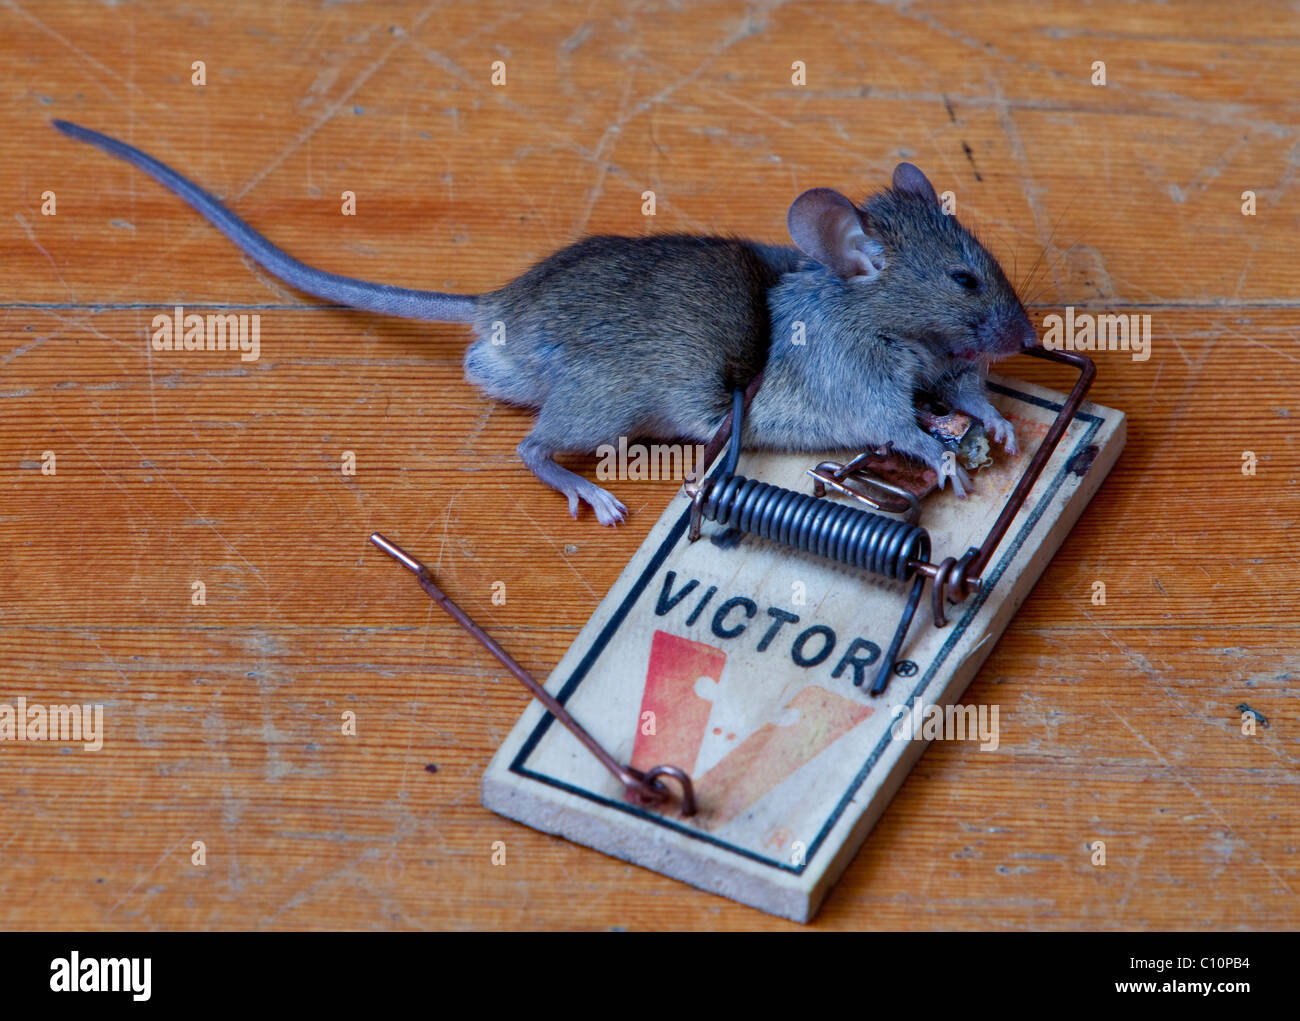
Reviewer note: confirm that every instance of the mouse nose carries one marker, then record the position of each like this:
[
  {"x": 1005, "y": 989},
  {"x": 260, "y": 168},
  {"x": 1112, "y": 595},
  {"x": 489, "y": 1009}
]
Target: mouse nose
[{"x": 1030, "y": 336}]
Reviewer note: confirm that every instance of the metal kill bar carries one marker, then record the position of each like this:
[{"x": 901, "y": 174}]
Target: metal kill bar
[
  {"x": 955, "y": 580},
  {"x": 640, "y": 788}
]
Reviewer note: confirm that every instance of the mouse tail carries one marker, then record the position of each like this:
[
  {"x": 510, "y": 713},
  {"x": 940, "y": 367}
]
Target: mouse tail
[{"x": 382, "y": 298}]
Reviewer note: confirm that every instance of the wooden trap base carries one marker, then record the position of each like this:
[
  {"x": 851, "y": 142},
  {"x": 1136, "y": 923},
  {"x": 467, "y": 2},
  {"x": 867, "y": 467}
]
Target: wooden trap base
[{"x": 736, "y": 661}]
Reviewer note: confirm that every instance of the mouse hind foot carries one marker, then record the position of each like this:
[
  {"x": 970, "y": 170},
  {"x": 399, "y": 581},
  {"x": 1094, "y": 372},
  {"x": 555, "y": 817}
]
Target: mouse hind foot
[{"x": 540, "y": 460}]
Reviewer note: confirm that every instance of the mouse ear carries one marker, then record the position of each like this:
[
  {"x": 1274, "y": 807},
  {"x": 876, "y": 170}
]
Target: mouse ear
[
  {"x": 828, "y": 227},
  {"x": 909, "y": 178}
]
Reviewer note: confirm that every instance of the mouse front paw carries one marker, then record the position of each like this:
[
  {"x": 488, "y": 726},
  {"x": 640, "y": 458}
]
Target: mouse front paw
[
  {"x": 928, "y": 450},
  {"x": 961, "y": 481},
  {"x": 1001, "y": 431}
]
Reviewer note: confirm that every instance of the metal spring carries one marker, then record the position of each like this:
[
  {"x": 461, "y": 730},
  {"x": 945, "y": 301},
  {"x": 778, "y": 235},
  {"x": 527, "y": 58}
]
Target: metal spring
[{"x": 836, "y": 531}]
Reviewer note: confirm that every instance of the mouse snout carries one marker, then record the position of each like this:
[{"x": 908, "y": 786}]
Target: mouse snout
[
  {"x": 1028, "y": 336},
  {"x": 1009, "y": 336}
]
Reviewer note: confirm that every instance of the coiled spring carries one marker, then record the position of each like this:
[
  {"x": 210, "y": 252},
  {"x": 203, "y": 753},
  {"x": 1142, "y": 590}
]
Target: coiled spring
[{"x": 836, "y": 531}]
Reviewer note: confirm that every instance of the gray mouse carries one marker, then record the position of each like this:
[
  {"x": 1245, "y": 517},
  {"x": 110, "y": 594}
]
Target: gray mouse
[{"x": 648, "y": 337}]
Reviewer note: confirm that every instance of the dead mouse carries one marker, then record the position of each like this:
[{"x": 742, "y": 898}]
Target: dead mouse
[{"x": 648, "y": 337}]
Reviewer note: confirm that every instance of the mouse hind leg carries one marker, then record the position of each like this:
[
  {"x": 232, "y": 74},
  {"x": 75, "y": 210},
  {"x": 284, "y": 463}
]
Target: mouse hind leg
[{"x": 538, "y": 451}]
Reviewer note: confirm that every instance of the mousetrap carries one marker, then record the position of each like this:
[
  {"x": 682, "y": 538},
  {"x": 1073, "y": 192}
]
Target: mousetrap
[{"x": 727, "y": 715}]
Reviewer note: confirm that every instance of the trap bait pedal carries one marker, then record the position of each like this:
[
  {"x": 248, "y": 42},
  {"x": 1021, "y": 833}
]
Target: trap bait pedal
[{"x": 729, "y": 733}]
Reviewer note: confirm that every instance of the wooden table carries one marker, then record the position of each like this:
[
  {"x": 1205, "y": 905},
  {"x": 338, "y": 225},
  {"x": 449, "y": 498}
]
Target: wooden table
[{"x": 224, "y": 721}]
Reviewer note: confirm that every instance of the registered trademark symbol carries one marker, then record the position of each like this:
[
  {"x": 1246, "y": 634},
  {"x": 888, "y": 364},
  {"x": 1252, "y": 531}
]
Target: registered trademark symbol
[{"x": 905, "y": 668}]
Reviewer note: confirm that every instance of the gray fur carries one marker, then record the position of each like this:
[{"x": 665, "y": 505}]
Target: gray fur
[
  {"x": 647, "y": 337},
  {"x": 872, "y": 339}
]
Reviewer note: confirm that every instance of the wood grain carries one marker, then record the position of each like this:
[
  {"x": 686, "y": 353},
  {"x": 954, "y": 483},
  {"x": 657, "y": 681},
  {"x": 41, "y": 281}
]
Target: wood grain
[{"x": 1119, "y": 722}]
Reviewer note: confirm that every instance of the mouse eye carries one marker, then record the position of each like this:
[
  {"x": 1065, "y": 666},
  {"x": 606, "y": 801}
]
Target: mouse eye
[{"x": 967, "y": 279}]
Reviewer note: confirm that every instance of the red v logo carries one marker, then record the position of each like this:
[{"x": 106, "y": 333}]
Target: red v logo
[
  {"x": 761, "y": 761},
  {"x": 680, "y": 716}
]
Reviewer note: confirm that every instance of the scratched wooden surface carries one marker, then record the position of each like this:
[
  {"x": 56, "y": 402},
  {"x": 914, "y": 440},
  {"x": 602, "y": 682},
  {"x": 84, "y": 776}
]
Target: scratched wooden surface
[{"x": 1119, "y": 722}]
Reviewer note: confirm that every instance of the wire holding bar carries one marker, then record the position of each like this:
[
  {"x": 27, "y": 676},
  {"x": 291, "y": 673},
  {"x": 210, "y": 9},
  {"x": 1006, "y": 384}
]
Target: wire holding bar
[{"x": 641, "y": 788}]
